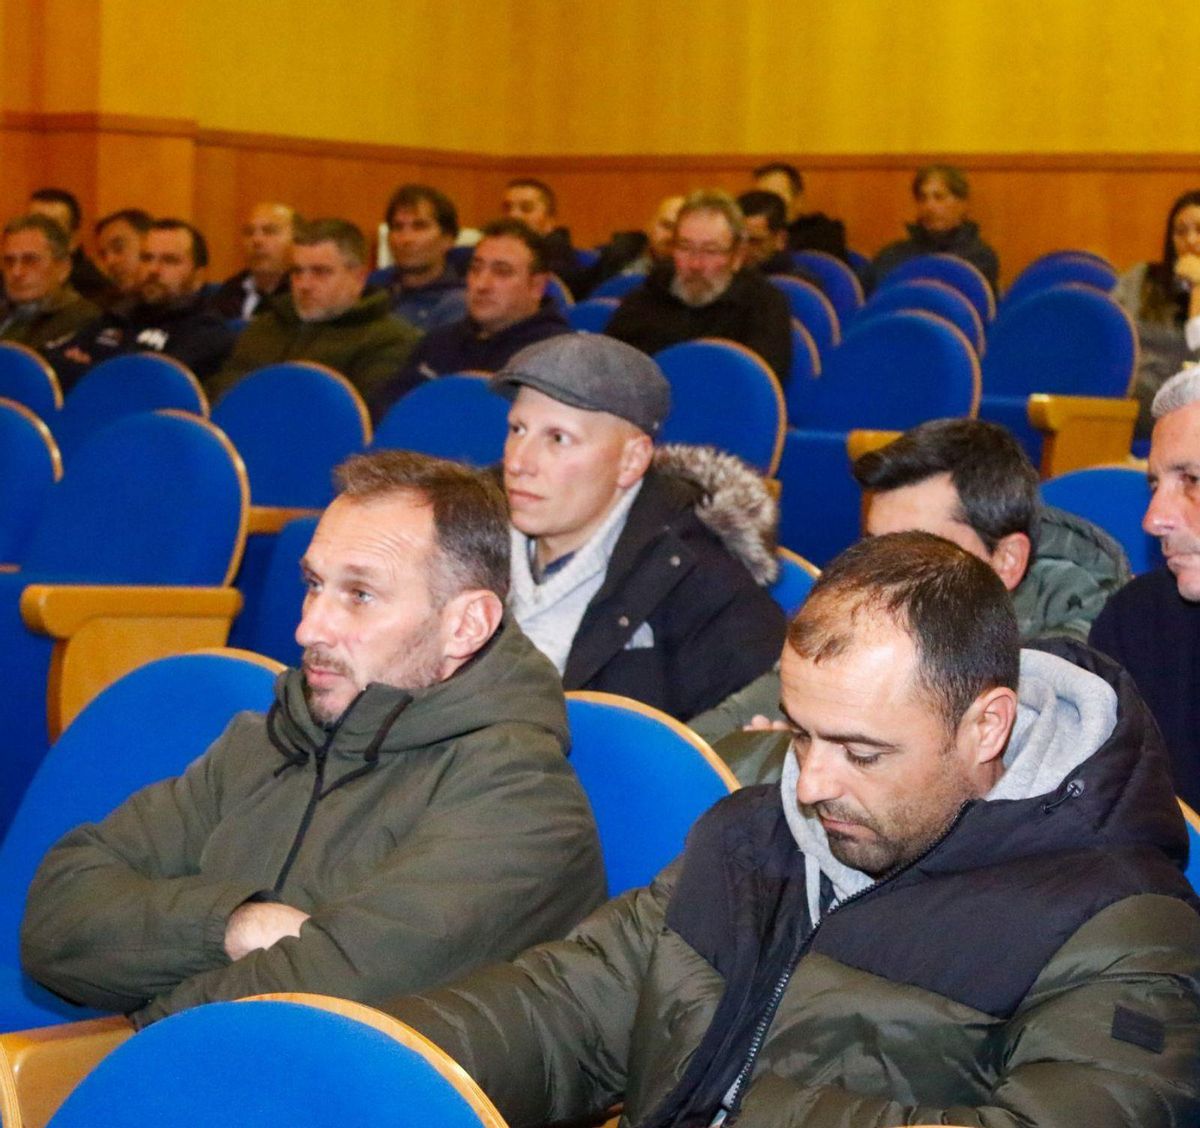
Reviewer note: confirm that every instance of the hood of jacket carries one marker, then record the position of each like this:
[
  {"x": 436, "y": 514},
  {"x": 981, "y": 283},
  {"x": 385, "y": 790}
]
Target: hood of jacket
[
  {"x": 732, "y": 500},
  {"x": 509, "y": 681},
  {"x": 1084, "y": 749},
  {"x": 372, "y": 306}
]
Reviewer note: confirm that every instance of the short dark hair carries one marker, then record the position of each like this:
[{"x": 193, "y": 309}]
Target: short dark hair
[
  {"x": 766, "y": 204},
  {"x": 954, "y": 178},
  {"x": 996, "y": 483},
  {"x": 343, "y": 234},
  {"x": 547, "y": 193},
  {"x": 57, "y": 239},
  {"x": 199, "y": 244},
  {"x": 516, "y": 229},
  {"x": 950, "y": 603},
  {"x": 470, "y": 515},
  {"x": 410, "y": 195},
  {"x": 138, "y": 219},
  {"x": 789, "y": 170},
  {"x": 67, "y": 199}
]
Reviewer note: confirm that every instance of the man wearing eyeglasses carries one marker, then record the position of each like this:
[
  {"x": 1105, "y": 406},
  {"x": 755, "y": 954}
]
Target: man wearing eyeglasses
[{"x": 706, "y": 290}]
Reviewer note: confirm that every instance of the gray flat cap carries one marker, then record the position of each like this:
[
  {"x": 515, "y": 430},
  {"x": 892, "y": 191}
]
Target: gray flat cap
[{"x": 592, "y": 372}]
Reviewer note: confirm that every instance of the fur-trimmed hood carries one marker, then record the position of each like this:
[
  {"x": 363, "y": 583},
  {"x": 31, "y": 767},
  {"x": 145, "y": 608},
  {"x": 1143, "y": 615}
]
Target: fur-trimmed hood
[{"x": 735, "y": 503}]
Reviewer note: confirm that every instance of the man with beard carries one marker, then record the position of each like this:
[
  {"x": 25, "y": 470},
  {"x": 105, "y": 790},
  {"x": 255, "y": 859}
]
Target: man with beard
[
  {"x": 404, "y": 812},
  {"x": 168, "y": 314},
  {"x": 707, "y": 290}
]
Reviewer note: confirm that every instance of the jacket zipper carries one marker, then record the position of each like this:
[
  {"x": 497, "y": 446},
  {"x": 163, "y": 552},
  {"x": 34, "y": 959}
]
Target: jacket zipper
[
  {"x": 319, "y": 760},
  {"x": 732, "y": 1098}
]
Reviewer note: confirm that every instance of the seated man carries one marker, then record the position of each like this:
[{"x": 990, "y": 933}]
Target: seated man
[
  {"x": 422, "y": 227},
  {"x": 534, "y": 204},
  {"x": 942, "y": 195},
  {"x": 326, "y": 318},
  {"x": 1152, "y": 626},
  {"x": 707, "y": 290},
  {"x": 267, "y": 240},
  {"x": 963, "y": 904},
  {"x": 44, "y": 310},
  {"x": 507, "y": 309},
  {"x": 119, "y": 239},
  {"x": 766, "y": 236},
  {"x": 62, "y": 206},
  {"x": 635, "y": 575},
  {"x": 633, "y": 252},
  {"x": 806, "y": 231},
  {"x": 404, "y": 812},
  {"x": 168, "y": 314},
  {"x": 970, "y": 482}
]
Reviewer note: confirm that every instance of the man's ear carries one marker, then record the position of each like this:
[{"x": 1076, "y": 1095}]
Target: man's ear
[
  {"x": 636, "y": 455},
  {"x": 468, "y": 621},
  {"x": 987, "y": 725},
  {"x": 1010, "y": 559}
]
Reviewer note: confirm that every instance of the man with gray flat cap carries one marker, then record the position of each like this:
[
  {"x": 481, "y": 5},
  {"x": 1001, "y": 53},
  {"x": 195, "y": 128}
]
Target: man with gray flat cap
[{"x": 635, "y": 571}]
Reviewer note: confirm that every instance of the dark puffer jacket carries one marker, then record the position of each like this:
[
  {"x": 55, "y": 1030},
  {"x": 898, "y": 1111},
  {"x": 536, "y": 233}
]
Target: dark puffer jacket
[
  {"x": 1038, "y": 965},
  {"x": 963, "y": 241}
]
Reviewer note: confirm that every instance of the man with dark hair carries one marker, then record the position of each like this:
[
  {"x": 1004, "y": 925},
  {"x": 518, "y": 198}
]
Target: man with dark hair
[
  {"x": 534, "y": 203},
  {"x": 942, "y": 195},
  {"x": 422, "y": 227},
  {"x": 806, "y": 231},
  {"x": 326, "y": 318},
  {"x": 824, "y": 951},
  {"x": 62, "y": 206},
  {"x": 168, "y": 313},
  {"x": 119, "y": 237},
  {"x": 267, "y": 237},
  {"x": 707, "y": 290},
  {"x": 766, "y": 236},
  {"x": 403, "y": 813},
  {"x": 43, "y": 308},
  {"x": 507, "y": 309},
  {"x": 1152, "y": 626}
]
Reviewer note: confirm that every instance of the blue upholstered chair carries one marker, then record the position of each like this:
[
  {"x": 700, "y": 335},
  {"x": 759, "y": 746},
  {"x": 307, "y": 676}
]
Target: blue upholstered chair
[
  {"x": 618, "y": 286},
  {"x": 932, "y": 297},
  {"x": 558, "y": 293},
  {"x": 840, "y": 283},
  {"x": 456, "y": 417},
  {"x": 124, "y": 385},
  {"x": 795, "y": 580},
  {"x": 648, "y": 778},
  {"x": 813, "y": 310},
  {"x": 592, "y": 315},
  {"x": 148, "y": 725},
  {"x": 820, "y": 504},
  {"x": 306, "y": 1061},
  {"x": 267, "y": 624},
  {"x": 804, "y": 374},
  {"x": 1193, "y": 825},
  {"x": 1115, "y": 498},
  {"x": 950, "y": 269},
  {"x": 130, "y": 560},
  {"x": 1059, "y": 269},
  {"x": 29, "y": 465},
  {"x": 724, "y": 395},
  {"x": 28, "y": 379}
]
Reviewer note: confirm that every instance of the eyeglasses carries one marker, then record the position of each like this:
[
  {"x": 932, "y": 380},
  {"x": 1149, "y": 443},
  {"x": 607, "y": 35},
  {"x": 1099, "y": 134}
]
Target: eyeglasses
[{"x": 706, "y": 251}]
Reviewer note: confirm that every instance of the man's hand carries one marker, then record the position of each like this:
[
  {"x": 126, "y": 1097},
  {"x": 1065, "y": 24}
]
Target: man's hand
[{"x": 257, "y": 925}]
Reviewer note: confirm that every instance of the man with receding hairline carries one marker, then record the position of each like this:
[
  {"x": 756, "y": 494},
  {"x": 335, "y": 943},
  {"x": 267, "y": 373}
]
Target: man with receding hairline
[{"x": 267, "y": 238}]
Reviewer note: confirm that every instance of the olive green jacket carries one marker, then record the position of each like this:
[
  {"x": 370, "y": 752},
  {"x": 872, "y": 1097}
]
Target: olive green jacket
[{"x": 56, "y": 320}]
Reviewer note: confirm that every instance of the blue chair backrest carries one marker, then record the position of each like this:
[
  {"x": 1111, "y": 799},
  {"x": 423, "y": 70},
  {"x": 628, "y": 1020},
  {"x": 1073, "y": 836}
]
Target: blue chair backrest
[
  {"x": 820, "y": 504},
  {"x": 29, "y": 467},
  {"x": 794, "y": 582},
  {"x": 585, "y": 258},
  {"x": 932, "y": 297},
  {"x": 593, "y": 315},
  {"x": 812, "y": 309},
  {"x": 647, "y": 777},
  {"x": 962, "y": 275},
  {"x": 558, "y": 293},
  {"x": 1115, "y": 498},
  {"x": 147, "y": 726},
  {"x": 457, "y": 417},
  {"x": 28, "y": 379},
  {"x": 1070, "y": 340},
  {"x": 158, "y": 498},
  {"x": 292, "y": 424},
  {"x": 804, "y": 373},
  {"x": 1061, "y": 269},
  {"x": 618, "y": 285},
  {"x": 260, "y": 1064},
  {"x": 268, "y": 623},
  {"x": 1193, "y": 866},
  {"x": 892, "y": 372},
  {"x": 840, "y": 283},
  {"x": 124, "y": 385},
  {"x": 724, "y": 395}
]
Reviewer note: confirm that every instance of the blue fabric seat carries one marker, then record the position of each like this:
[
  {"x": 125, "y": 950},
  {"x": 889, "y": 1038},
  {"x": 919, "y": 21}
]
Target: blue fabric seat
[
  {"x": 558, "y": 293},
  {"x": 29, "y": 465},
  {"x": 648, "y": 778},
  {"x": 820, "y": 504},
  {"x": 1059, "y": 269},
  {"x": 618, "y": 286},
  {"x": 840, "y": 283},
  {"x": 28, "y": 379},
  {"x": 148, "y": 725},
  {"x": 457, "y": 417},
  {"x": 813, "y": 310},
  {"x": 804, "y": 373},
  {"x": 124, "y": 385},
  {"x": 1193, "y": 825},
  {"x": 592, "y": 315},
  {"x": 932, "y": 297},
  {"x": 268, "y": 623},
  {"x": 953, "y": 271},
  {"x": 795, "y": 580},
  {"x": 723, "y": 395}
]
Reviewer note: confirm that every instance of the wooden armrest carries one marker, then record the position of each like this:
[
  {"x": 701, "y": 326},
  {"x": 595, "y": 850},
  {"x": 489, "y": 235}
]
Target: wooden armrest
[
  {"x": 272, "y": 518},
  {"x": 47, "y": 1063},
  {"x": 1082, "y": 430},
  {"x": 104, "y": 631},
  {"x": 10, "y": 568},
  {"x": 860, "y": 442}
]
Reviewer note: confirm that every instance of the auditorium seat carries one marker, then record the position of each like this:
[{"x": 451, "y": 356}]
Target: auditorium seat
[
  {"x": 1058, "y": 269},
  {"x": 840, "y": 283},
  {"x": 29, "y": 465},
  {"x": 592, "y": 315},
  {"x": 953, "y": 271},
  {"x": 812, "y": 309},
  {"x": 457, "y": 417},
  {"x": 932, "y": 297},
  {"x": 28, "y": 379}
]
